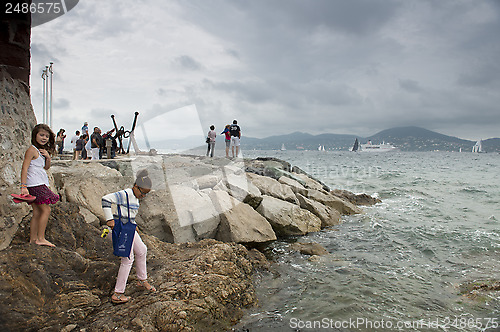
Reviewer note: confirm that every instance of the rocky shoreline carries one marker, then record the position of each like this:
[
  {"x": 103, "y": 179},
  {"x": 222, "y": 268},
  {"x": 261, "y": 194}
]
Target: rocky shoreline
[{"x": 200, "y": 224}]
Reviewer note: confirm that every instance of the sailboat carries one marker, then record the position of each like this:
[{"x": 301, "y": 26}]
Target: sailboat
[
  {"x": 283, "y": 147},
  {"x": 355, "y": 147},
  {"x": 478, "y": 147}
]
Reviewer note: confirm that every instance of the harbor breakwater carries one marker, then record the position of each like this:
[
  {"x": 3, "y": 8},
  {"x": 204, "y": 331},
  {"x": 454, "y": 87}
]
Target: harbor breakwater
[{"x": 199, "y": 223}]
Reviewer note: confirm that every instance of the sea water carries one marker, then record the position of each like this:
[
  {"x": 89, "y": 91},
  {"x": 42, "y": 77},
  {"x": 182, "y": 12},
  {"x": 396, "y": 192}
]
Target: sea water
[{"x": 401, "y": 264}]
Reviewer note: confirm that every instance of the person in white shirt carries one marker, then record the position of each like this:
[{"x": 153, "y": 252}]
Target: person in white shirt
[{"x": 73, "y": 141}]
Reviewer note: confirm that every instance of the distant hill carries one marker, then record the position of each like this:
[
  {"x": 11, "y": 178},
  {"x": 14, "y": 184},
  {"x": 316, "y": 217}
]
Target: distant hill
[
  {"x": 301, "y": 141},
  {"x": 405, "y": 138},
  {"x": 420, "y": 139},
  {"x": 491, "y": 145}
]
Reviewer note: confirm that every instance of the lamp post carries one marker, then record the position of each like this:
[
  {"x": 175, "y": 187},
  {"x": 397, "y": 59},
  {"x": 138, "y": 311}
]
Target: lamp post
[
  {"x": 44, "y": 112},
  {"x": 51, "y": 74},
  {"x": 47, "y": 94}
]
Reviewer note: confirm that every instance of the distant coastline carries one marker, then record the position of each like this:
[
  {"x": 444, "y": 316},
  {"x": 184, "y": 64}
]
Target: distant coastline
[{"x": 405, "y": 138}]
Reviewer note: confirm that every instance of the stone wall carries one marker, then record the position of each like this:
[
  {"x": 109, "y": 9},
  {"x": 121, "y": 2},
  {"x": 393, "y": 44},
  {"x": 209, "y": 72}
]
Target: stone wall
[
  {"x": 16, "y": 117},
  {"x": 16, "y": 122}
]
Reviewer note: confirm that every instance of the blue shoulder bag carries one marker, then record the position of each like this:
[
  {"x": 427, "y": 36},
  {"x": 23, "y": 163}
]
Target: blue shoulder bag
[{"x": 123, "y": 234}]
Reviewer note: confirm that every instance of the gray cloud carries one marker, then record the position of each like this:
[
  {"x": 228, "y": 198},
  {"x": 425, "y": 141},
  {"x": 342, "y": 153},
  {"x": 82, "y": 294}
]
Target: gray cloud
[
  {"x": 354, "y": 66},
  {"x": 188, "y": 63},
  {"x": 62, "y": 103},
  {"x": 410, "y": 86}
]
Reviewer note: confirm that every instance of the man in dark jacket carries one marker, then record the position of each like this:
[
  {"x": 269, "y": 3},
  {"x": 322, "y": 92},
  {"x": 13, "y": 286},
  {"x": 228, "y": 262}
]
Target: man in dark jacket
[{"x": 235, "y": 132}]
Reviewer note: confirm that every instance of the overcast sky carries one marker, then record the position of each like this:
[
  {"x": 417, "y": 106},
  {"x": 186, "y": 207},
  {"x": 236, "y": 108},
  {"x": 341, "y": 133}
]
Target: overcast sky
[{"x": 277, "y": 66}]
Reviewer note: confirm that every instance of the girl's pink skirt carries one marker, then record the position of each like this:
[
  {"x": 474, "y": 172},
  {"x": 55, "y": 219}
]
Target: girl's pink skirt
[{"x": 43, "y": 195}]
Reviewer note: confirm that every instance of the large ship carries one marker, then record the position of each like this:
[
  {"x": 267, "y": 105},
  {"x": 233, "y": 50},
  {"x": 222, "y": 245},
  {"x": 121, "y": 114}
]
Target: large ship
[{"x": 370, "y": 147}]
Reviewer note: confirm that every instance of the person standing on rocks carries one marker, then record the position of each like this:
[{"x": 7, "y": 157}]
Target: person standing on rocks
[
  {"x": 235, "y": 132},
  {"x": 211, "y": 140},
  {"x": 227, "y": 139},
  {"x": 35, "y": 182},
  {"x": 60, "y": 140},
  {"x": 128, "y": 202},
  {"x": 73, "y": 141},
  {"x": 96, "y": 143},
  {"x": 79, "y": 147},
  {"x": 88, "y": 147},
  {"x": 85, "y": 128}
]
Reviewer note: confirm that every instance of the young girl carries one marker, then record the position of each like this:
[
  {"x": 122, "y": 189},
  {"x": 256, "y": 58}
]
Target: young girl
[
  {"x": 34, "y": 181},
  {"x": 227, "y": 139},
  {"x": 140, "y": 189}
]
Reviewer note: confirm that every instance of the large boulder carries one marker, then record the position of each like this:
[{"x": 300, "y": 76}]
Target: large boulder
[
  {"x": 271, "y": 187},
  {"x": 86, "y": 183},
  {"x": 293, "y": 184},
  {"x": 339, "y": 204},
  {"x": 328, "y": 215},
  {"x": 309, "y": 182},
  {"x": 240, "y": 222},
  {"x": 242, "y": 189},
  {"x": 179, "y": 214},
  {"x": 194, "y": 209},
  {"x": 157, "y": 216},
  {"x": 287, "y": 218}
]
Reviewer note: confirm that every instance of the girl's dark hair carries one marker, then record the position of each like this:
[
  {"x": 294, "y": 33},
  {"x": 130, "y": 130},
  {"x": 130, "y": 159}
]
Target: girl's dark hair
[
  {"x": 142, "y": 179},
  {"x": 50, "y": 146},
  {"x": 212, "y": 127}
]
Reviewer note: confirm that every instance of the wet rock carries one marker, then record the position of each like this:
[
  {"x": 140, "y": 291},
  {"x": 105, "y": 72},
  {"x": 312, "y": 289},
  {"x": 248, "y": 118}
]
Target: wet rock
[
  {"x": 339, "y": 204},
  {"x": 479, "y": 290},
  {"x": 312, "y": 249},
  {"x": 357, "y": 199},
  {"x": 287, "y": 218},
  {"x": 326, "y": 214}
]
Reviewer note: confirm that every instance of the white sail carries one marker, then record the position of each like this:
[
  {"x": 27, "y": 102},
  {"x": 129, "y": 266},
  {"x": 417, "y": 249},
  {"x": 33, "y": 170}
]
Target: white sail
[{"x": 478, "y": 147}]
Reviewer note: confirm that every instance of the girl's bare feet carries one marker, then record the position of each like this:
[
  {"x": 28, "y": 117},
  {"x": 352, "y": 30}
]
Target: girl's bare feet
[{"x": 44, "y": 242}]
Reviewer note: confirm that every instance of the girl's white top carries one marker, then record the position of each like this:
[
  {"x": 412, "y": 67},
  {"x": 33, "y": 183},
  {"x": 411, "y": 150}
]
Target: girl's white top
[
  {"x": 36, "y": 172},
  {"x": 119, "y": 199}
]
